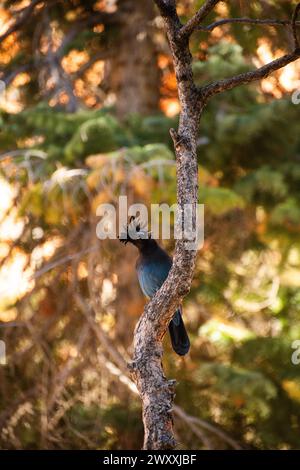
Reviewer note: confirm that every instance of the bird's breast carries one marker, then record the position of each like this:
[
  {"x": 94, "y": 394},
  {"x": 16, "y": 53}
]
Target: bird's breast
[{"x": 151, "y": 275}]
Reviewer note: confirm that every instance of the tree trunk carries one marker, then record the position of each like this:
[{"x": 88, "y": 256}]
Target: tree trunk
[
  {"x": 132, "y": 74},
  {"x": 156, "y": 391}
]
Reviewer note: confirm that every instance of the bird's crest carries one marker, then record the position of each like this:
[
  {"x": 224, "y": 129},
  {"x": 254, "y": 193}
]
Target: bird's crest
[{"x": 136, "y": 229}]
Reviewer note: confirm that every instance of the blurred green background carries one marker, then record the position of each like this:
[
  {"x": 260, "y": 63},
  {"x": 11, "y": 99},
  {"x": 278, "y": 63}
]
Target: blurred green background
[{"x": 88, "y": 95}]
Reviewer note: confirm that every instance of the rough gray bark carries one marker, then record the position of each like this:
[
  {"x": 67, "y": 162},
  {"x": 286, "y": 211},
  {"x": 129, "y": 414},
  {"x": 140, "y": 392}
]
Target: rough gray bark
[{"x": 156, "y": 392}]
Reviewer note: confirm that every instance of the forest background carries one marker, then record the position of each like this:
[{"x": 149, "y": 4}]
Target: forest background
[{"x": 88, "y": 95}]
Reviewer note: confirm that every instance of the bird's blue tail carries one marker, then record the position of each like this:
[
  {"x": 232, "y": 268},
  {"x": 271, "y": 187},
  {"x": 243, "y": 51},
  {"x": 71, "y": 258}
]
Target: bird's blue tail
[{"x": 179, "y": 337}]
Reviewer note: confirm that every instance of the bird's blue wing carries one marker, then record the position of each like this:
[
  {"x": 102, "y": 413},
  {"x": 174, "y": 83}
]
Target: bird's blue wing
[{"x": 151, "y": 276}]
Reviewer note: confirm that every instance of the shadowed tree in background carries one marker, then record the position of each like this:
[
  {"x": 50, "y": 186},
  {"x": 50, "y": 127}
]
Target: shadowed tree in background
[
  {"x": 122, "y": 35},
  {"x": 133, "y": 75}
]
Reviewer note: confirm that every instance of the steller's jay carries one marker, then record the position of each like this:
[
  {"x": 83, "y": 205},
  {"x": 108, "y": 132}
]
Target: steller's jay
[{"x": 153, "y": 266}]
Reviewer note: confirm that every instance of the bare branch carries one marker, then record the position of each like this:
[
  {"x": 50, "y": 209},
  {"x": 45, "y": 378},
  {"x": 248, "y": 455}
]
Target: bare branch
[
  {"x": 88, "y": 22},
  {"x": 192, "y": 421},
  {"x": 245, "y": 20},
  {"x": 208, "y": 426},
  {"x": 294, "y": 26},
  {"x": 64, "y": 260},
  {"x": 258, "y": 74},
  {"x": 166, "y": 6},
  {"x": 23, "y": 17},
  {"x": 119, "y": 369},
  {"x": 100, "y": 334},
  {"x": 9, "y": 77},
  {"x": 168, "y": 11},
  {"x": 102, "y": 55},
  {"x": 201, "y": 14},
  {"x": 228, "y": 83}
]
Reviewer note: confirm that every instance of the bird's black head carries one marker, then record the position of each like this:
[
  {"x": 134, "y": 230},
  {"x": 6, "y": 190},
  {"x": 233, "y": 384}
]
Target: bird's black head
[{"x": 136, "y": 233}]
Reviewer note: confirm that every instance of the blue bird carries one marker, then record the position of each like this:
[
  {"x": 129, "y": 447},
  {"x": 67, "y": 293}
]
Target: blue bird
[{"x": 153, "y": 266}]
